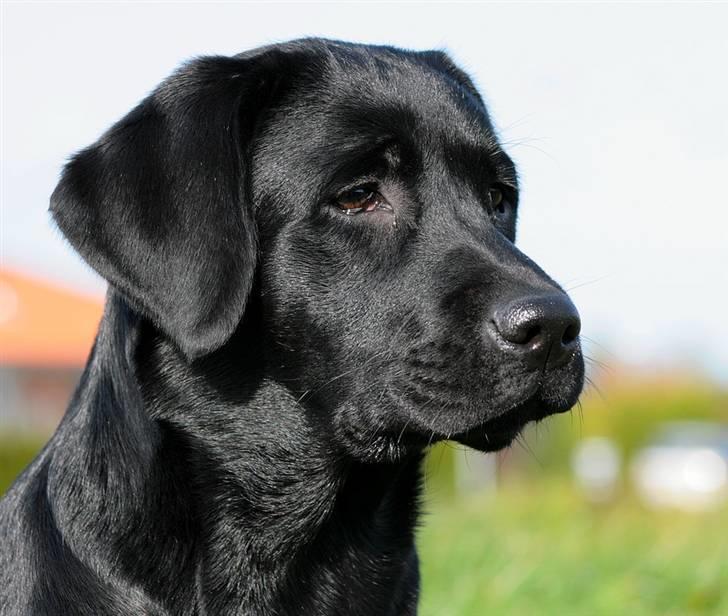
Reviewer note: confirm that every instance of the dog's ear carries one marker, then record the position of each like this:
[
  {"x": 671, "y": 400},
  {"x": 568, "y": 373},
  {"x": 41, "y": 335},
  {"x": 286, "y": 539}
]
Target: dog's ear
[{"x": 158, "y": 205}]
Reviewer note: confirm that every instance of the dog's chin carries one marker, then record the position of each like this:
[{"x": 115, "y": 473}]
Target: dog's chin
[
  {"x": 486, "y": 442},
  {"x": 492, "y": 435},
  {"x": 391, "y": 447},
  {"x": 370, "y": 439},
  {"x": 500, "y": 432}
]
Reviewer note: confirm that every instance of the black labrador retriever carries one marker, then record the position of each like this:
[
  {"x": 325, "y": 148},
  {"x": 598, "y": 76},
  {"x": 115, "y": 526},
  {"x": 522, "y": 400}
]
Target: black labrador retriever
[{"x": 310, "y": 251}]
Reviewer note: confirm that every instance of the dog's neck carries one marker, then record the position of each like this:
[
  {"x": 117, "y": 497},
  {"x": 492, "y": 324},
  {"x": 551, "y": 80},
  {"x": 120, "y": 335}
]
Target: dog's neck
[{"x": 220, "y": 479}]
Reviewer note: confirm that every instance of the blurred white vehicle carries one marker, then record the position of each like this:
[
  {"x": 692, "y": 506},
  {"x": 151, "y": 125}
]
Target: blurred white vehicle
[
  {"x": 685, "y": 467},
  {"x": 596, "y": 464}
]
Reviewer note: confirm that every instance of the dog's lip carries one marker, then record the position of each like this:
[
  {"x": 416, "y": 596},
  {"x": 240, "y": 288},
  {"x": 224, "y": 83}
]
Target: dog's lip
[
  {"x": 487, "y": 441},
  {"x": 488, "y": 431},
  {"x": 498, "y": 432},
  {"x": 489, "y": 435},
  {"x": 493, "y": 430}
]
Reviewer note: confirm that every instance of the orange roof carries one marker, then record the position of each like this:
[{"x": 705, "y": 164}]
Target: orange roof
[{"x": 42, "y": 324}]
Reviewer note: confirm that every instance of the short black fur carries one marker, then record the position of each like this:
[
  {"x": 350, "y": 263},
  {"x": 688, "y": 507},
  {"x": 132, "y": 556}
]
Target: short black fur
[{"x": 247, "y": 435}]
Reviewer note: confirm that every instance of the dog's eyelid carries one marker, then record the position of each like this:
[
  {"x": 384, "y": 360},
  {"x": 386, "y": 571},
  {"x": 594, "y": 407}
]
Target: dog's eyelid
[
  {"x": 361, "y": 199},
  {"x": 364, "y": 182}
]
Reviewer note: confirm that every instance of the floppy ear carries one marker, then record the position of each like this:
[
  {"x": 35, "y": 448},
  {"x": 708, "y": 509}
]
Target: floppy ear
[{"x": 158, "y": 207}]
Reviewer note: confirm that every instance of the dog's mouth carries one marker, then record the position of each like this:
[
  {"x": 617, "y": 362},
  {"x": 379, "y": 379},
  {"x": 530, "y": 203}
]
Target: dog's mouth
[
  {"x": 417, "y": 419},
  {"x": 500, "y": 432},
  {"x": 487, "y": 440},
  {"x": 487, "y": 436}
]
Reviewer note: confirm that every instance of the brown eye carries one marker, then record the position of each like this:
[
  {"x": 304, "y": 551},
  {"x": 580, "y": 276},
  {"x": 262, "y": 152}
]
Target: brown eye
[{"x": 361, "y": 199}]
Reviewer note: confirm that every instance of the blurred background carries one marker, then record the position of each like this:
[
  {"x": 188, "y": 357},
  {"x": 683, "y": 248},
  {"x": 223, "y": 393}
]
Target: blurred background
[{"x": 617, "y": 117}]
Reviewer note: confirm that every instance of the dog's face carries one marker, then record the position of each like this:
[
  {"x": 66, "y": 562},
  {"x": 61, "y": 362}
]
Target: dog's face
[
  {"x": 392, "y": 300},
  {"x": 389, "y": 212}
]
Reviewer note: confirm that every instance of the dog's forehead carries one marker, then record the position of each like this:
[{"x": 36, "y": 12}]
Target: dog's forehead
[
  {"x": 355, "y": 98},
  {"x": 383, "y": 89}
]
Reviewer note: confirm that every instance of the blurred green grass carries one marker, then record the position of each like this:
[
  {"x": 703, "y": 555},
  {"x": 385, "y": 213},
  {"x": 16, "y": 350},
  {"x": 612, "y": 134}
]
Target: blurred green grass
[{"x": 537, "y": 547}]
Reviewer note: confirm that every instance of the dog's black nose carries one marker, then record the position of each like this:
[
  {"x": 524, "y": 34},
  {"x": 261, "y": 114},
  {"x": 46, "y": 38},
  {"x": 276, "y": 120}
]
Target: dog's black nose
[{"x": 543, "y": 329}]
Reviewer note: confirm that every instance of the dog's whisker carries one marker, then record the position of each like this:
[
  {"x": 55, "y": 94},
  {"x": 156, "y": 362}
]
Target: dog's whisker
[
  {"x": 521, "y": 440},
  {"x": 602, "y": 348},
  {"x": 367, "y": 362},
  {"x": 402, "y": 431},
  {"x": 580, "y": 407},
  {"x": 340, "y": 376},
  {"x": 592, "y": 385},
  {"x": 587, "y": 283}
]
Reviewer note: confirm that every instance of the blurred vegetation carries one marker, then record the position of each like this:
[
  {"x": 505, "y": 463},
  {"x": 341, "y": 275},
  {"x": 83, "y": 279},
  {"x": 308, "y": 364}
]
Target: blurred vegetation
[
  {"x": 534, "y": 545},
  {"x": 628, "y": 410},
  {"x": 16, "y": 452}
]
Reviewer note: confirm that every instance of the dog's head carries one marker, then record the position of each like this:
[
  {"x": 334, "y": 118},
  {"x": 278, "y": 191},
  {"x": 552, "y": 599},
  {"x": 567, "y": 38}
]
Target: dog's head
[{"x": 356, "y": 195}]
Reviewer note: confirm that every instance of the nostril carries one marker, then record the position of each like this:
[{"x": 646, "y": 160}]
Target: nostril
[
  {"x": 570, "y": 334},
  {"x": 530, "y": 334},
  {"x": 517, "y": 330}
]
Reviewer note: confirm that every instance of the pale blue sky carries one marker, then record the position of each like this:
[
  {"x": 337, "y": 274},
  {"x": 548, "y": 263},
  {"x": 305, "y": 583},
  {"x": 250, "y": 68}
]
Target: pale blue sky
[{"x": 615, "y": 113}]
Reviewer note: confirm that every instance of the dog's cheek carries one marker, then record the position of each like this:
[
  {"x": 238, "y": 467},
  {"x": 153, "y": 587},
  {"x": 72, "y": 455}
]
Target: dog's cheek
[{"x": 302, "y": 318}]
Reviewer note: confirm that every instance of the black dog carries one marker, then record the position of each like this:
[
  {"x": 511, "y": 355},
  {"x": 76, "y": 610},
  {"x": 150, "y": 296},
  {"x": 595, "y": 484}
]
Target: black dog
[{"x": 312, "y": 271}]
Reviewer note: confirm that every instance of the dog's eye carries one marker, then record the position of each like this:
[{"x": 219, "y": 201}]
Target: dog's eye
[
  {"x": 361, "y": 199},
  {"x": 498, "y": 204}
]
